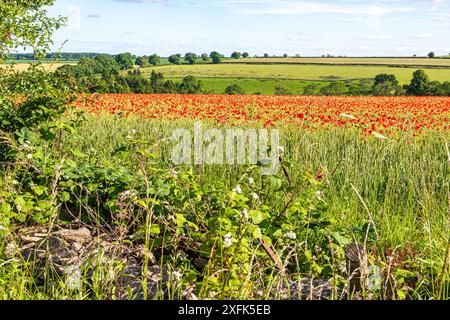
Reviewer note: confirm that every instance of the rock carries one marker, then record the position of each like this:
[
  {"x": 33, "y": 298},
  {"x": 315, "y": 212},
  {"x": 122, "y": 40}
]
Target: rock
[{"x": 80, "y": 236}]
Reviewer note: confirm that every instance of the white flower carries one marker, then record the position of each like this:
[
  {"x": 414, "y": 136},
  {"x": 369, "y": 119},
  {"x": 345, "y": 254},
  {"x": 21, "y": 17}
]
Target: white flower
[
  {"x": 238, "y": 189},
  {"x": 251, "y": 181},
  {"x": 173, "y": 173},
  {"x": 350, "y": 116},
  {"x": 319, "y": 194},
  {"x": 379, "y": 136},
  {"x": 131, "y": 134},
  {"x": 228, "y": 240},
  {"x": 177, "y": 275},
  {"x": 255, "y": 196},
  {"x": 29, "y": 156},
  {"x": 291, "y": 235},
  {"x": 245, "y": 213}
]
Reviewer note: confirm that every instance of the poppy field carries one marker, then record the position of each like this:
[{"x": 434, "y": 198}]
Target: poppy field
[{"x": 384, "y": 115}]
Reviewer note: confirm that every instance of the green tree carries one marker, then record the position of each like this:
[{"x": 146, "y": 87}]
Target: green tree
[
  {"x": 125, "y": 61},
  {"x": 280, "y": 90},
  {"x": 236, "y": 55},
  {"x": 190, "y": 58},
  {"x": 285, "y": 55},
  {"x": 190, "y": 85},
  {"x": 216, "y": 57},
  {"x": 386, "y": 85},
  {"x": 26, "y": 24},
  {"x": 154, "y": 59},
  {"x": 431, "y": 54},
  {"x": 311, "y": 89},
  {"x": 445, "y": 87},
  {"x": 333, "y": 89},
  {"x": 266, "y": 55},
  {"x": 419, "y": 84},
  {"x": 245, "y": 55},
  {"x": 142, "y": 62},
  {"x": 234, "y": 89},
  {"x": 175, "y": 59},
  {"x": 205, "y": 57},
  {"x": 43, "y": 95}
]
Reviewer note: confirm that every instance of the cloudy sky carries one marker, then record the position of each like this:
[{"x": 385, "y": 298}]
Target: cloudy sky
[{"x": 308, "y": 28}]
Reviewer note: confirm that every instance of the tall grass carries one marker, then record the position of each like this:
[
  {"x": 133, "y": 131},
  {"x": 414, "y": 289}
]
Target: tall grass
[{"x": 403, "y": 182}]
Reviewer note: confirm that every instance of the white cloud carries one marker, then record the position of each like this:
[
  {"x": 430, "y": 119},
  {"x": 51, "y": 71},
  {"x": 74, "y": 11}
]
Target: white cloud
[{"x": 306, "y": 7}]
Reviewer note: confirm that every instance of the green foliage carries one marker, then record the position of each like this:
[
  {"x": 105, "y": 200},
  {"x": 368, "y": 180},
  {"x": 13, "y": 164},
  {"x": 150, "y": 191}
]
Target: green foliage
[
  {"x": 236, "y": 55},
  {"x": 125, "y": 60},
  {"x": 386, "y": 85},
  {"x": 142, "y": 62},
  {"x": 175, "y": 59},
  {"x": 205, "y": 57},
  {"x": 419, "y": 84},
  {"x": 280, "y": 90},
  {"x": 216, "y": 57},
  {"x": 26, "y": 24},
  {"x": 190, "y": 58},
  {"x": 234, "y": 89},
  {"x": 154, "y": 59},
  {"x": 333, "y": 89},
  {"x": 190, "y": 85},
  {"x": 245, "y": 55}
]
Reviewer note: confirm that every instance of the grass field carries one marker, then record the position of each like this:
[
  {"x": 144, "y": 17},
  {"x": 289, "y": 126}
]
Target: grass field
[
  {"x": 293, "y": 72},
  {"x": 252, "y": 86},
  {"x": 438, "y": 62}
]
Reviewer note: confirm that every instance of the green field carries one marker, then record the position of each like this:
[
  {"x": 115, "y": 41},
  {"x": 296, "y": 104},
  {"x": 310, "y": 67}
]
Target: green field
[
  {"x": 293, "y": 72},
  {"x": 252, "y": 86},
  {"x": 398, "y": 61}
]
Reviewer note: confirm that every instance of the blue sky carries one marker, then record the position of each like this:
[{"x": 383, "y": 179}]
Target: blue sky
[{"x": 308, "y": 28}]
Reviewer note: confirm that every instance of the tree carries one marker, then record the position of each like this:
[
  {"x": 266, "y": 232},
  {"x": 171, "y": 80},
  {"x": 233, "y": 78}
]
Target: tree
[
  {"x": 236, "y": 55},
  {"x": 419, "y": 84},
  {"x": 445, "y": 87},
  {"x": 245, "y": 55},
  {"x": 142, "y": 62},
  {"x": 125, "y": 61},
  {"x": 333, "y": 89},
  {"x": 190, "y": 85},
  {"x": 234, "y": 89},
  {"x": 285, "y": 55},
  {"x": 154, "y": 59},
  {"x": 431, "y": 55},
  {"x": 216, "y": 57},
  {"x": 386, "y": 85},
  {"x": 26, "y": 24},
  {"x": 175, "y": 59},
  {"x": 42, "y": 96},
  {"x": 311, "y": 89},
  {"x": 205, "y": 57},
  {"x": 280, "y": 90},
  {"x": 190, "y": 58},
  {"x": 266, "y": 55}
]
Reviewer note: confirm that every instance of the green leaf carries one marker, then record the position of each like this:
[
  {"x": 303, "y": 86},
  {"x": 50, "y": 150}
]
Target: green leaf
[
  {"x": 154, "y": 229},
  {"x": 256, "y": 216}
]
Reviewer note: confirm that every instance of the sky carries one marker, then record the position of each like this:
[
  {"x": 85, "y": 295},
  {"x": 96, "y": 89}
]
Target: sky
[{"x": 307, "y": 28}]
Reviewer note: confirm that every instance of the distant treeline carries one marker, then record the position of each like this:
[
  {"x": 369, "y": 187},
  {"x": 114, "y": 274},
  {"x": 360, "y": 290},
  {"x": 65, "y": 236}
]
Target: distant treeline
[
  {"x": 52, "y": 55},
  {"x": 102, "y": 74}
]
